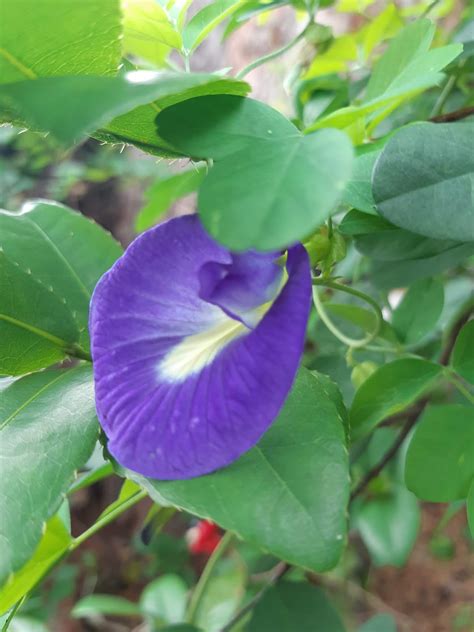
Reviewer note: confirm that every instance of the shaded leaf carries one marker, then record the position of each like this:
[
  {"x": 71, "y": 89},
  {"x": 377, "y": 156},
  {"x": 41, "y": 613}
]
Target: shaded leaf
[
  {"x": 112, "y": 605},
  {"x": 424, "y": 179},
  {"x": 419, "y": 311},
  {"x": 389, "y": 390},
  {"x": 48, "y": 430},
  {"x": 463, "y": 352},
  {"x": 270, "y": 493},
  {"x": 439, "y": 464}
]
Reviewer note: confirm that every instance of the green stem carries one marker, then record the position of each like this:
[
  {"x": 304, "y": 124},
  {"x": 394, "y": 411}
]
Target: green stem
[
  {"x": 443, "y": 97},
  {"x": 107, "y": 518},
  {"x": 201, "y": 586},
  {"x": 276, "y": 53},
  {"x": 452, "y": 377},
  {"x": 78, "y": 352},
  {"x": 350, "y": 342}
]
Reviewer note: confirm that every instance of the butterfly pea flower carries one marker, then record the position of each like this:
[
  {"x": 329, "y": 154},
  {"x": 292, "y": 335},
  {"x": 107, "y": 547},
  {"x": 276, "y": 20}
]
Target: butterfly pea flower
[{"x": 195, "y": 348}]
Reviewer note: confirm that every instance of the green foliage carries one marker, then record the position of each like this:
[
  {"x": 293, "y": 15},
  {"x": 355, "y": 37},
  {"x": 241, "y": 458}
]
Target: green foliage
[
  {"x": 423, "y": 180},
  {"x": 291, "y": 605},
  {"x": 389, "y": 390},
  {"x": 274, "y": 482},
  {"x": 419, "y": 311},
  {"x": 463, "y": 356},
  {"x": 52, "y": 258},
  {"x": 48, "y": 430},
  {"x": 439, "y": 465}
]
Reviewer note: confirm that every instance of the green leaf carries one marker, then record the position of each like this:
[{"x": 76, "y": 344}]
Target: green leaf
[
  {"x": 147, "y": 31},
  {"x": 205, "y": 20},
  {"x": 363, "y": 319},
  {"x": 419, "y": 311},
  {"x": 389, "y": 526},
  {"x": 358, "y": 191},
  {"x": 395, "y": 274},
  {"x": 291, "y": 606},
  {"x": 139, "y": 126},
  {"x": 50, "y": 261},
  {"x": 53, "y": 544},
  {"x": 163, "y": 193},
  {"x": 164, "y": 599},
  {"x": 470, "y": 508},
  {"x": 463, "y": 353},
  {"x": 53, "y": 37},
  {"x": 108, "y": 605},
  {"x": 36, "y": 328},
  {"x": 406, "y": 69},
  {"x": 291, "y": 187},
  {"x": 107, "y": 97},
  {"x": 412, "y": 41},
  {"x": 439, "y": 464},
  {"x": 221, "y": 125},
  {"x": 380, "y": 623},
  {"x": 269, "y": 494},
  {"x": 222, "y": 597},
  {"x": 48, "y": 430},
  {"x": 424, "y": 178},
  {"x": 389, "y": 390}
]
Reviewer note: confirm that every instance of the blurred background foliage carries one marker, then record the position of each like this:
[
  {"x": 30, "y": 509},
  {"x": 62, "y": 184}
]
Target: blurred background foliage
[{"x": 407, "y": 566}]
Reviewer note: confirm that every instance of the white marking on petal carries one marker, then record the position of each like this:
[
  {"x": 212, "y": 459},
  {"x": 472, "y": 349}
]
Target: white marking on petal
[{"x": 195, "y": 352}]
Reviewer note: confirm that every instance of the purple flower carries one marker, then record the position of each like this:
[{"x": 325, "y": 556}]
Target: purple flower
[{"x": 195, "y": 348}]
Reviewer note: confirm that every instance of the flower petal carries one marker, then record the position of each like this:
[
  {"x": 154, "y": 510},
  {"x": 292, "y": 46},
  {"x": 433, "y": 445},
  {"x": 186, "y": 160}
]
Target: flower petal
[{"x": 182, "y": 389}]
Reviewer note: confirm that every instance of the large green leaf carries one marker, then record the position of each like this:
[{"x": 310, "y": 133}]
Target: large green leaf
[
  {"x": 424, "y": 179},
  {"x": 463, "y": 352},
  {"x": 53, "y": 544},
  {"x": 51, "y": 259},
  {"x": 390, "y": 389},
  {"x": 219, "y": 126},
  {"x": 270, "y": 185},
  {"x": 294, "y": 606},
  {"x": 139, "y": 126},
  {"x": 295, "y": 480},
  {"x": 389, "y": 526},
  {"x": 273, "y": 194},
  {"x": 53, "y": 37},
  {"x": 419, "y": 311},
  {"x": 48, "y": 430},
  {"x": 439, "y": 463},
  {"x": 107, "y": 97}
]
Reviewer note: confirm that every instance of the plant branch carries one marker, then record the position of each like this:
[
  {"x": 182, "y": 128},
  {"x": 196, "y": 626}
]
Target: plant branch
[
  {"x": 457, "y": 115},
  {"x": 201, "y": 586},
  {"x": 276, "y": 53},
  {"x": 278, "y": 572}
]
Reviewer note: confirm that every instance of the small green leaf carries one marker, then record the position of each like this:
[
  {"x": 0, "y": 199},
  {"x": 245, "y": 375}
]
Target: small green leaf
[
  {"x": 419, "y": 311},
  {"x": 358, "y": 191},
  {"x": 463, "y": 353},
  {"x": 269, "y": 494},
  {"x": 380, "y": 623},
  {"x": 147, "y": 31},
  {"x": 423, "y": 180},
  {"x": 110, "y": 605},
  {"x": 164, "y": 599},
  {"x": 163, "y": 193},
  {"x": 52, "y": 37},
  {"x": 439, "y": 464},
  {"x": 291, "y": 606},
  {"x": 53, "y": 544},
  {"x": 48, "y": 430},
  {"x": 223, "y": 595},
  {"x": 389, "y": 390},
  {"x": 205, "y": 20},
  {"x": 389, "y": 526}
]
